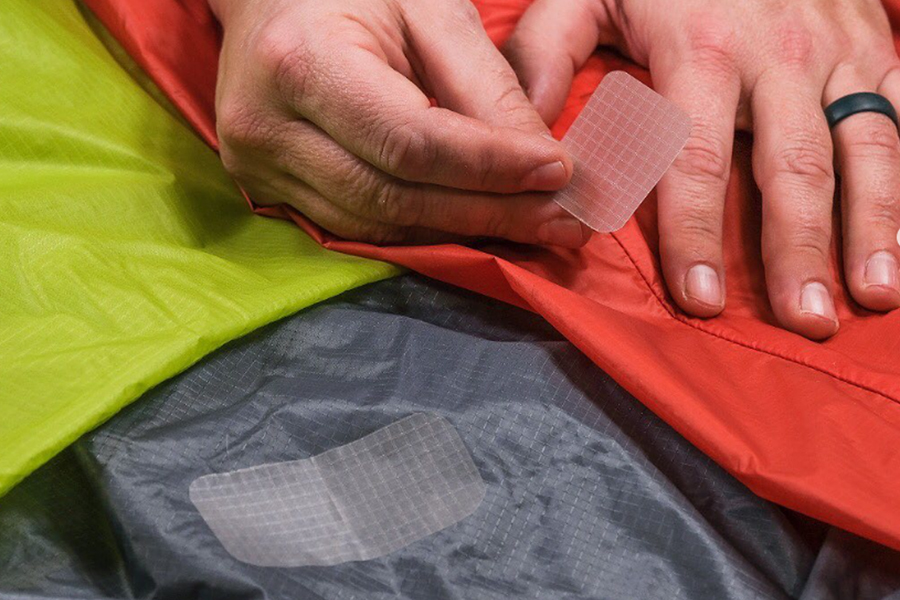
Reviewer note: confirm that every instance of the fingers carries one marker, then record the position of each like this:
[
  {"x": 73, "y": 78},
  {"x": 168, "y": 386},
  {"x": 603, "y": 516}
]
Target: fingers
[
  {"x": 793, "y": 165},
  {"x": 382, "y": 117},
  {"x": 868, "y": 151},
  {"x": 281, "y": 188},
  {"x": 551, "y": 41},
  {"x": 357, "y": 188},
  {"x": 692, "y": 194},
  {"x": 466, "y": 72}
]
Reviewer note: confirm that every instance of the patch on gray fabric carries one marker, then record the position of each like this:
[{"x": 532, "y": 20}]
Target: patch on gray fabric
[{"x": 355, "y": 502}]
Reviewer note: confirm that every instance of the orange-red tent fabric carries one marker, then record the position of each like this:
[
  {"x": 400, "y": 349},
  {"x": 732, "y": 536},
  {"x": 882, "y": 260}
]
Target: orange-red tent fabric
[{"x": 812, "y": 426}]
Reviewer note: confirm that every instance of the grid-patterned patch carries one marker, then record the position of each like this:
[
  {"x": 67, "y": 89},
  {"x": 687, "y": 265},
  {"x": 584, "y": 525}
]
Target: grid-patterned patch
[
  {"x": 359, "y": 501},
  {"x": 622, "y": 143}
]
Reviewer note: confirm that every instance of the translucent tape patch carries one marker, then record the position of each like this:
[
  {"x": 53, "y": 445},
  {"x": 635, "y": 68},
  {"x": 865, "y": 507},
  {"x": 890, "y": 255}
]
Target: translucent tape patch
[
  {"x": 622, "y": 143},
  {"x": 355, "y": 502}
]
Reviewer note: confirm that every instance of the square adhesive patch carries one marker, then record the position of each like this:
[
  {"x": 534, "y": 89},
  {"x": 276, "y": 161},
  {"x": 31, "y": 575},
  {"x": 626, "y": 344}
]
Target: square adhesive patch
[
  {"x": 622, "y": 143},
  {"x": 359, "y": 501}
]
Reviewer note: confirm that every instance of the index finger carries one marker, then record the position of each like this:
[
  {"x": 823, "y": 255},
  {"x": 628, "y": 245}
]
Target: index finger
[
  {"x": 382, "y": 117},
  {"x": 368, "y": 195}
]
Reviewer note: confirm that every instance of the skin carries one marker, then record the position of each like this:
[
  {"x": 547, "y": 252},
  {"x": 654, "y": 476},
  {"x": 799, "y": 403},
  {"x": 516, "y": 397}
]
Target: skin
[
  {"x": 768, "y": 66},
  {"x": 325, "y": 105}
]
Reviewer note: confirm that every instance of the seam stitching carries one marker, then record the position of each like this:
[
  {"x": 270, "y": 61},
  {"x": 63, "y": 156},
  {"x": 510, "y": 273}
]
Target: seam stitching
[{"x": 740, "y": 343}]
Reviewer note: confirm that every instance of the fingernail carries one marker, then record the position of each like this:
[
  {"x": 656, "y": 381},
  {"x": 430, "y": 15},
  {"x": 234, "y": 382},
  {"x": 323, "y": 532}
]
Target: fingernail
[
  {"x": 815, "y": 300},
  {"x": 881, "y": 270},
  {"x": 564, "y": 231},
  {"x": 549, "y": 136},
  {"x": 547, "y": 177},
  {"x": 702, "y": 284}
]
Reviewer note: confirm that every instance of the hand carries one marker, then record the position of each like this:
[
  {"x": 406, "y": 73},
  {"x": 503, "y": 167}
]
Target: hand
[
  {"x": 326, "y": 106},
  {"x": 769, "y": 65}
]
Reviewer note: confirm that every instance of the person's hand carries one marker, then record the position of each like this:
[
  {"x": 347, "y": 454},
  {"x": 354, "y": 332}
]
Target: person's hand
[
  {"x": 770, "y": 66},
  {"x": 326, "y": 106}
]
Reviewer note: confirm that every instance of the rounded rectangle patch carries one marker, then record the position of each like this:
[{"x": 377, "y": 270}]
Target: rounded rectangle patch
[
  {"x": 622, "y": 143},
  {"x": 359, "y": 501}
]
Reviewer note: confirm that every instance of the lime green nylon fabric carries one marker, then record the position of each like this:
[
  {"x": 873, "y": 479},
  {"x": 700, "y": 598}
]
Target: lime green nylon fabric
[{"x": 126, "y": 253}]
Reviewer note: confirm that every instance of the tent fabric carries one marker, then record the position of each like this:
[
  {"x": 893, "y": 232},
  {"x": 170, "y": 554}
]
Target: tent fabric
[
  {"x": 813, "y": 426},
  {"x": 127, "y": 252},
  {"x": 589, "y": 495}
]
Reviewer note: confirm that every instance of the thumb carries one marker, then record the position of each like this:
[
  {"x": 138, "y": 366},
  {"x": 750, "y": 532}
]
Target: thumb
[
  {"x": 463, "y": 68},
  {"x": 553, "y": 39}
]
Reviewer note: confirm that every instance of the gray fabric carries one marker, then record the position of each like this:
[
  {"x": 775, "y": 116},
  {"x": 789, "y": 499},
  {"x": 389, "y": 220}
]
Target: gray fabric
[{"x": 588, "y": 494}]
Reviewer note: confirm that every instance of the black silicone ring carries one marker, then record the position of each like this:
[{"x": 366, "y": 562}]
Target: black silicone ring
[{"x": 848, "y": 106}]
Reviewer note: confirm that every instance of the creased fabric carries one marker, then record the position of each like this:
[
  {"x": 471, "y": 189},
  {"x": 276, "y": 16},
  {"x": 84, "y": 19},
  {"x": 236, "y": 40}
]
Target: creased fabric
[
  {"x": 127, "y": 253},
  {"x": 813, "y": 426}
]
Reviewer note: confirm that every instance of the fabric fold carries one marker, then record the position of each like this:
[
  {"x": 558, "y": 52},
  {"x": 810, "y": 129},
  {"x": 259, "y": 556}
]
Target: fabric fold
[
  {"x": 127, "y": 252},
  {"x": 813, "y": 426}
]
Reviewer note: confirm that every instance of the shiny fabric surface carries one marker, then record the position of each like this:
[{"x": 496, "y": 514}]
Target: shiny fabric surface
[
  {"x": 813, "y": 426},
  {"x": 589, "y": 495},
  {"x": 126, "y": 251}
]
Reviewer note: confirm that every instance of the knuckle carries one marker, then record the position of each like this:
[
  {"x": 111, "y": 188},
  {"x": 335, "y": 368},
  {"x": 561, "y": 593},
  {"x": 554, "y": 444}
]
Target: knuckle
[
  {"x": 695, "y": 228},
  {"x": 794, "y": 43},
  {"x": 359, "y": 185},
  {"x": 810, "y": 237},
  {"x": 405, "y": 152},
  {"x": 517, "y": 110},
  {"x": 487, "y": 170},
  {"x": 794, "y": 250},
  {"x": 703, "y": 159},
  {"x": 396, "y": 204},
  {"x": 804, "y": 158},
  {"x": 288, "y": 58},
  {"x": 712, "y": 40},
  {"x": 882, "y": 208},
  {"x": 495, "y": 224},
  {"x": 299, "y": 160},
  {"x": 876, "y": 137},
  {"x": 240, "y": 124}
]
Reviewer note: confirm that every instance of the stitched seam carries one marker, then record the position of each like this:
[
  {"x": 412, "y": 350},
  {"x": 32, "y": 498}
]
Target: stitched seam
[{"x": 740, "y": 343}]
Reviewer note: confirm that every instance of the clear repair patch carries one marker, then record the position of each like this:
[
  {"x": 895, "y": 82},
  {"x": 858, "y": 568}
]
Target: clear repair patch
[
  {"x": 355, "y": 502},
  {"x": 622, "y": 143}
]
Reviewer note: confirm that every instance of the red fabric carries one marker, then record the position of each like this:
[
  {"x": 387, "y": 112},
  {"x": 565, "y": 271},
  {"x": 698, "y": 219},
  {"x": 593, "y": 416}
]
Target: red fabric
[{"x": 813, "y": 426}]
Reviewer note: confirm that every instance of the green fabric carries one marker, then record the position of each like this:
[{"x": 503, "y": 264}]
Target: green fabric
[{"x": 127, "y": 254}]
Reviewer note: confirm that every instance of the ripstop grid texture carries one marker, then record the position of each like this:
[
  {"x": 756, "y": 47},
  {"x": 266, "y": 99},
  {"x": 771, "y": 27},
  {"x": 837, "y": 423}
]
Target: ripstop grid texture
[
  {"x": 354, "y": 502},
  {"x": 127, "y": 251},
  {"x": 622, "y": 143},
  {"x": 589, "y": 495}
]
